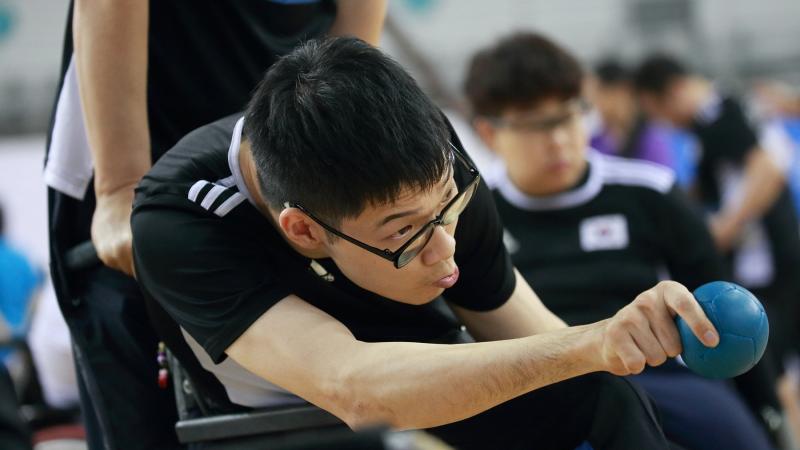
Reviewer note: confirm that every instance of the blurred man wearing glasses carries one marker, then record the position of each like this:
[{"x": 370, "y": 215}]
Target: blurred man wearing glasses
[{"x": 588, "y": 230}]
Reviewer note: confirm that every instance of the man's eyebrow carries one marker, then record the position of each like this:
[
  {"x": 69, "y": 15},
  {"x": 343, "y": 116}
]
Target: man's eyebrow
[
  {"x": 411, "y": 212},
  {"x": 398, "y": 215}
]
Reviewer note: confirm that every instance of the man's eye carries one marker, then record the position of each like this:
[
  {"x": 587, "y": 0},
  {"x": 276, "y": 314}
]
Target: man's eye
[{"x": 401, "y": 232}]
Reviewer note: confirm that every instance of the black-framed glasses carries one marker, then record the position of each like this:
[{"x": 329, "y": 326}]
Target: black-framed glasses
[
  {"x": 420, "y": 239},
  {"x": 574, "y": 109}
]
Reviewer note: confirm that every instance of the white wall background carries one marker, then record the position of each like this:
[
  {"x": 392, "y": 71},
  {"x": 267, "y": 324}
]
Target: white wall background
[{"x": 23, "y": 195}]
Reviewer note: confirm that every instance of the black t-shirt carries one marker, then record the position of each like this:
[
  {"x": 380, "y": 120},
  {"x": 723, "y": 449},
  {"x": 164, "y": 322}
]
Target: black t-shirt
[
  {"x": 727, "y": 138},
  {"x": 591, "y": 250},
  {"x": 207, "y": 56},
  {"x": 216, "y": 264}
]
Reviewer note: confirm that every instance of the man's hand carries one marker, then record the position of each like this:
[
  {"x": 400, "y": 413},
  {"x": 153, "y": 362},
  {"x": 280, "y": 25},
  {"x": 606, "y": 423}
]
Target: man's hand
[
  {"x": 111, "y": 229},
  {"x": 644, "y": 332}
]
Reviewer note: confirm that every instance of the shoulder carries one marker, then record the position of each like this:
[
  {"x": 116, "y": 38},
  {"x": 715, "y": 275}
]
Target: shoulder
[
  {"x": 634, "y": 173},
  {"x": 218, "y": 198},
  {"x": 195, "y": 174}
]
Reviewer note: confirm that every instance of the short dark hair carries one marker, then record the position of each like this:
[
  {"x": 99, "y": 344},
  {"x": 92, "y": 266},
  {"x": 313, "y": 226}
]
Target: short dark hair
[
  {"x": 612, "y": 71},
  {"x": 656, "y": 72},
  {"x": 336, "y": 125},
  {"x": 520, "y": 71}
]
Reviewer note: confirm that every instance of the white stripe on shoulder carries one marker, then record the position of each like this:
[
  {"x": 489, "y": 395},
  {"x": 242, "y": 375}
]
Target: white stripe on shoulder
[
  {"x": 232, "y": 202},
  {"x": 629, "y": 172},
  {"x": 195, "y": 189},
  {"x": 212, "y": 195}
]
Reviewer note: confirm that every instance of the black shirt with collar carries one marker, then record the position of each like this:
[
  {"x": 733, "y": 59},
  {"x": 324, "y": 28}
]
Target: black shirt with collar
[
  {"x": 591, "y": 250},
  {"x": 216, "y": 264}
]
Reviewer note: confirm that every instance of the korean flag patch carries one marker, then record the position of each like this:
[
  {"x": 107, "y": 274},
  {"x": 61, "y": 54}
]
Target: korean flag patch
[{"x": 608, "y": 232}]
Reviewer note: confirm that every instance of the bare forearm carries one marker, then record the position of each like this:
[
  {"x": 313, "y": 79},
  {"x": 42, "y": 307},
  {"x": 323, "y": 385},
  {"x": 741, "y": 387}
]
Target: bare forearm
[
  {"x": 421, "y": 385},
  {"x": 411, "y": 385},
  {"x": 360, "y": 18},
  {"x": 762, "y": 185},
  {"x": 111, "y": 61}
]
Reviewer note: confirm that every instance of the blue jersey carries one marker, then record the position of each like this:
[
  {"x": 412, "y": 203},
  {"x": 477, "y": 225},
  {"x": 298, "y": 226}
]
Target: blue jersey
[{"x": 18, "y": 280}]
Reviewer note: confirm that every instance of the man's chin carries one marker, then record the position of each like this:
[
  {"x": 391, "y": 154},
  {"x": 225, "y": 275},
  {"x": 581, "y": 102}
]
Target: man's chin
[{"x": 423, "y": 298}]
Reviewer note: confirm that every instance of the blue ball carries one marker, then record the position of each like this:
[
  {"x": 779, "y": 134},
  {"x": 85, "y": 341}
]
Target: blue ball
[{"x": 743, "y": 331}]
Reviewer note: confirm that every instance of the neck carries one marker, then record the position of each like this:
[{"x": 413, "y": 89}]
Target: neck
[
  {"x": 537, "y": 190},
  {"x": 250, "y": 176}
]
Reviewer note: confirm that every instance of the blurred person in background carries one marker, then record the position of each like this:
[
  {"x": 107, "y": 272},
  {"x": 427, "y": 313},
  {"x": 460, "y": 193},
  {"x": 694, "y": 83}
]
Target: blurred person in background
[
  {"x": 19, "y": 282},
  {"x": 588, "y": 230},
  {"x": 777, "y": 105},
  {"x": 742, "y": 185},
  {"x": 624, "y": 130},
  {"x": 136, "y": 77}
]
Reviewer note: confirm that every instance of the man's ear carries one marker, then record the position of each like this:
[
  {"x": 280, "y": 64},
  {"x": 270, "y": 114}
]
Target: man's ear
[
  {"x": 300, "y": 229},
  {"x": 486, "y": 131}
]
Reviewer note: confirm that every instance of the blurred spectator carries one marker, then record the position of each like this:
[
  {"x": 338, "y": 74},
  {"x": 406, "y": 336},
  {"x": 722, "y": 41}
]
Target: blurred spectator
[
  {"x": 777, "y": 105},
  {"x": 591, "y": 231},
  {"x": 625, "y": 131},
  {"x": 742, "y": 184},
  {"x": 18, "y": 283},
  {"x": 791, "y": 127}
]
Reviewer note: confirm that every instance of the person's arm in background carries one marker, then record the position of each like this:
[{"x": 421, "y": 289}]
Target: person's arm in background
[
  {"x": 763, "y": 182},
  {"x": 778, "y": 98},
  {"x": 360, "y": 18},
  {"x": 110, "y": 40},
  {"x": 111, "y": 59}
]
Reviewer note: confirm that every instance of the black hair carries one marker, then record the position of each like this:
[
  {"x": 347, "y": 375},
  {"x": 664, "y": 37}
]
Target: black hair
[
  {"x": 520, "y": 71},
  {"x": 656, "y": 72},
  {"x": 336, "y": 125},
  {"x": 611, "y": 71}
]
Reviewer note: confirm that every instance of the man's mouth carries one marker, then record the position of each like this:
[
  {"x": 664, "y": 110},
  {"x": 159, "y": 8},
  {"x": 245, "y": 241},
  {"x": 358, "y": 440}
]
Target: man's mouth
[{"x": 447, "y": 281}]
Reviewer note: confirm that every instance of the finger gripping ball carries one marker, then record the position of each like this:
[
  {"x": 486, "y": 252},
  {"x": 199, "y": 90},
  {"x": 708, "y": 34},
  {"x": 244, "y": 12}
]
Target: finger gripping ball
[{"x": 743, "y": 331}]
